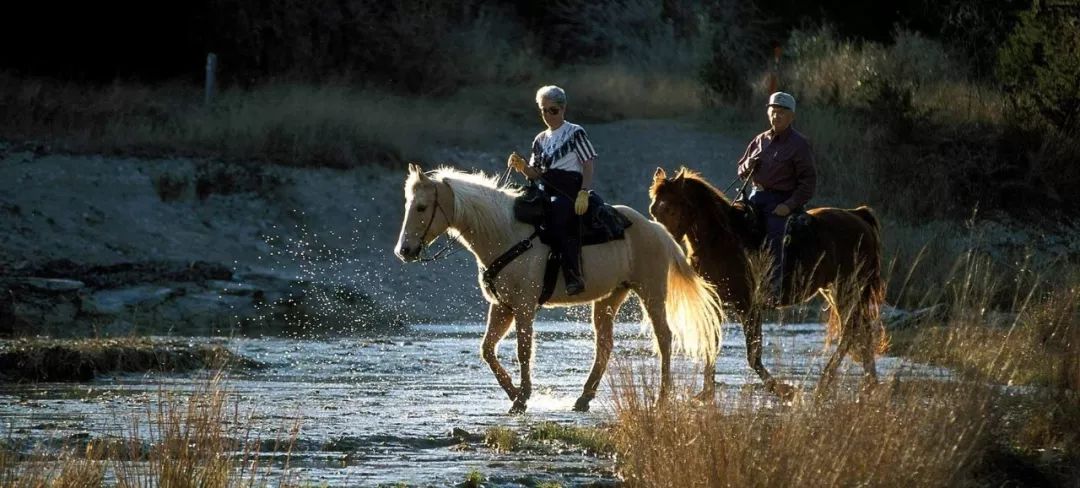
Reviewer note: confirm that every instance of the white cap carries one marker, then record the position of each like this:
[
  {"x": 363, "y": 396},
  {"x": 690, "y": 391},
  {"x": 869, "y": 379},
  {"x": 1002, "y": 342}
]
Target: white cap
[{"x": 782, "y": 100}]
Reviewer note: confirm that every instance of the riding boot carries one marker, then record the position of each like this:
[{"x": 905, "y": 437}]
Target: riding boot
[{"x": 571, "y": 266}]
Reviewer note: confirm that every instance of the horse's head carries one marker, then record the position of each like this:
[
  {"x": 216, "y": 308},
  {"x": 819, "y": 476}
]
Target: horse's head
[
  {"x": 427, "y": 213},
  {"x": 686, "y": 201},
  {"x": 670, "y": 205}
]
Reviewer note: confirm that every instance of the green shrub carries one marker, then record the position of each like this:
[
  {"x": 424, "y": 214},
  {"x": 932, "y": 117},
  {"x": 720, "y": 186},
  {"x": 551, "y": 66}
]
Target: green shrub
[{"x": 1039, "y": 66}]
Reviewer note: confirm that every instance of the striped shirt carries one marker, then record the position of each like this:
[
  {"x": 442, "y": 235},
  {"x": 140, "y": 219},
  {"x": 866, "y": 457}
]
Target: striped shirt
[{"x": 566, "y": 148}]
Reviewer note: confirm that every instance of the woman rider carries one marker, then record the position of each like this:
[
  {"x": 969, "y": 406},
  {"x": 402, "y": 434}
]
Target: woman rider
[{"x": 562, "y": 160}]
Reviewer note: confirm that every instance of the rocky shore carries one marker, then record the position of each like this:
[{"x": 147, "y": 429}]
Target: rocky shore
[{"x": 106, "y": 245}]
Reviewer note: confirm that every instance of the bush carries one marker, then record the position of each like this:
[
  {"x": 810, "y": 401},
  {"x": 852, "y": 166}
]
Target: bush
[
  {"x": 821, "y": 68},
  {"x": 1039, "y": 67},
  {"x": 417, "y": 47},
  {"x": 739, "y": 48}
]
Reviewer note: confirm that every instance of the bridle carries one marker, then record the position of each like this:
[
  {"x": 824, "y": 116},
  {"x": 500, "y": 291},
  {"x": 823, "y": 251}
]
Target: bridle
[
  {"x": 445, "y": 250},
  {"x": 682, "y": 206}
]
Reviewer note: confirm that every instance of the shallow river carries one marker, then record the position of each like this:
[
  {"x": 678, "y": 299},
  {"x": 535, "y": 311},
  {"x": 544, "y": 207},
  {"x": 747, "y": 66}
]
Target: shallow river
[{"x": 380, "y": 410}]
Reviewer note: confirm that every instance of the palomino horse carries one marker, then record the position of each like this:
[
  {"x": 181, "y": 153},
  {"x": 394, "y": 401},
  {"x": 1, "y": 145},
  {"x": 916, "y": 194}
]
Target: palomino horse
[
  {"x": 841, "y": 261},
  {"x": 682, "y": 307}
]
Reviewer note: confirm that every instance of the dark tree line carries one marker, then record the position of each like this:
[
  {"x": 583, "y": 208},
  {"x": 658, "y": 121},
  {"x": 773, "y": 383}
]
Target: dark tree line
[{"x": 382, "y": 41}]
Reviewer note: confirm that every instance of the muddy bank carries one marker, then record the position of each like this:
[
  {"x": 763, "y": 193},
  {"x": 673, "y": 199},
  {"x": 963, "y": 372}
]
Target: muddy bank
[{"x": 83, "y": 360}]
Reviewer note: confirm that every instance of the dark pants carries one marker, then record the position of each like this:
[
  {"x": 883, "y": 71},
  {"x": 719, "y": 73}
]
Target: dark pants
[
  {"x": 764, "y": 202},
  {"x": 562, "y": 223}
]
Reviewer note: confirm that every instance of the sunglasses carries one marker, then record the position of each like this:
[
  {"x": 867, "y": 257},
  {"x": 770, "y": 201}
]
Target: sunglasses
[{"x": 551, "y": 110}]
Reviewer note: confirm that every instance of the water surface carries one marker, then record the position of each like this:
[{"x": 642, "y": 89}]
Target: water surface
[{"x": 380, "y": 410}]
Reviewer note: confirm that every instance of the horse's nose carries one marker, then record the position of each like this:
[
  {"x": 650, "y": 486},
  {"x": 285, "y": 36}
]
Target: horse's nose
[{"x": 404, "y": 253}]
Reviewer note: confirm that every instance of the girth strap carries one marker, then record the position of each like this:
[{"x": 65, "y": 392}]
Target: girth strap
[
  {"x": 504, "y": 259},
  {"x": 551, "y": 275}
]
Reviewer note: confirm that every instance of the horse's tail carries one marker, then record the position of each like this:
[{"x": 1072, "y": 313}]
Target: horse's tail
[
  {"x": 872, "y": 293},
  {"x": 693, "y": 308},
  {"x": 867, "y": 214},
  {"x": 855, "y": 300}
]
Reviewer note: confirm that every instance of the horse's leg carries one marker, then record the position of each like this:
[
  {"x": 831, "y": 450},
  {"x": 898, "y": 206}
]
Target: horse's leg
[
  {"x": 603, "y": 318},
  {"x": 867, "y": 350},
  {"x": 656, "y": 309},
  {"x": 752, "y": 331},
  {"x": 829, "y": 374},
  {"x": 708, "y": 384},
  {"x": 498, "y": 324},
  {"x": 523, "y": 321}
]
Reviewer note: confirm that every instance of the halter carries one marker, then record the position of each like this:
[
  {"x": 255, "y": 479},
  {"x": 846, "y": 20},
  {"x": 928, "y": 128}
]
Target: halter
[{"x": 445, "y": 251}]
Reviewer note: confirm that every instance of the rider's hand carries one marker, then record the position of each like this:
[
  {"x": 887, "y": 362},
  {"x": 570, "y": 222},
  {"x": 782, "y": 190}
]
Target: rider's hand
[
  {"x": 516, "y": 161},
  {"x": 581, "y": 204},
  {"x": 781, "y": 210}
]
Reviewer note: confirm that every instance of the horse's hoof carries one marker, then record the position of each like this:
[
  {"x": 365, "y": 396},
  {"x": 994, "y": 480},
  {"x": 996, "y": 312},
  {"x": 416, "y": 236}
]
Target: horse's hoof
[
  {"x": 785, "y": 391},
  {"x": 518, "y": 408},
  {"x": 868, "y": 389},
  {"x": 582, "y": 404},
  {"x": 663, "y": 398}
]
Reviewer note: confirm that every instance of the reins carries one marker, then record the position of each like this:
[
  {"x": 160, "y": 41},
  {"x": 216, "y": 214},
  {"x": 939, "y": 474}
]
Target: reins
[
  {"x": 741, "y": 195},
  {"x": 448, "y": 249}
]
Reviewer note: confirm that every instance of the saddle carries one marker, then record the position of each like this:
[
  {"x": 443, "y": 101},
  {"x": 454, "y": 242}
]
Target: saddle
[
  {"x": 798, "y": 230},
  {"x": 601, "y": 222}
]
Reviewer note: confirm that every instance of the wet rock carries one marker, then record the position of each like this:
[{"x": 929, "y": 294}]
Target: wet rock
[
  {"x": 459, "y": 434},
  {"x": 121, "y": 275},
  {"x": 27, "y": 303},
  {"x": 898, "y": 319},
  {"x": 234, "y": 288},
  {"x": 66, "y": 298},
  {"x": 52, "y": 284},
  {"x": 117, "y": 302}
]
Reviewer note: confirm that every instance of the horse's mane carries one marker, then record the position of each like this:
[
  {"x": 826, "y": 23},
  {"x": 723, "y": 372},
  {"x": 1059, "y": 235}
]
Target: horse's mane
[
  {"x": 480, "y": 202},
  {"x": 705, "y": 197}
]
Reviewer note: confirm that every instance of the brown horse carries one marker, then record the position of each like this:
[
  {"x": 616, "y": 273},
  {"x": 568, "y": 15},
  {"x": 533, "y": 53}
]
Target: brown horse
[
  {"x": 841, "y": 260},
  {"x": 681, "y": 306}
]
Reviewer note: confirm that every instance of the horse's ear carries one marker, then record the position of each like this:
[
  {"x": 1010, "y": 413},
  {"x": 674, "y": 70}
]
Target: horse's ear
[
  {"x": 660, "y": 174},
  {"x": 414, "y": 168}
]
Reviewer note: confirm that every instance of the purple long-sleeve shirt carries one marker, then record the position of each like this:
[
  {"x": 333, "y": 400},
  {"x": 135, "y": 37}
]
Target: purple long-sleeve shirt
[{"x": 787, "y": 164}]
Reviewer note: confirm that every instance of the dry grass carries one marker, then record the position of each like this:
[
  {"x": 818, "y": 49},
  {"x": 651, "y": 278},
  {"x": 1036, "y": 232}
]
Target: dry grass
[
  {"x": 331, "y": 125},
  {"x": 614, "y": 92},
  {"x": 70, "y": 469},
  {"x": 335, "y": 125},
  {"x": 199, "y": 440},
  {"x": 907, "y": 434},
  {"x": 202, "y": 440},
  {"x": 501, "y": 439},
  {"x": 977, "y": 429},
  {"x": 1033, "y": 341},
  {"x": 595, "y": 440},
  {"x": 548, "y": 435}
]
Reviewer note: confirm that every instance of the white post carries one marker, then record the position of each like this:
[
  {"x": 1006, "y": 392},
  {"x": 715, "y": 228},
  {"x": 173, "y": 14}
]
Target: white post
[{"x": 211, "y": 74}]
